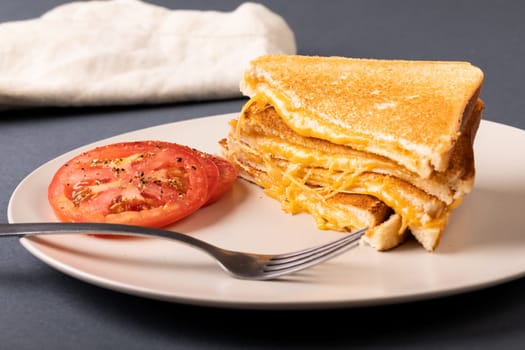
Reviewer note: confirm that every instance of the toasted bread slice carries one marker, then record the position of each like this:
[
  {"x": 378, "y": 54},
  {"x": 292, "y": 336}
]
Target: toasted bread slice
[{"x": 409, "y": 111}]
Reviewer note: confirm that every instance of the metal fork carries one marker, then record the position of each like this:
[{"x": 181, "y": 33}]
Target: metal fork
[{"x": 238, "y": 264}]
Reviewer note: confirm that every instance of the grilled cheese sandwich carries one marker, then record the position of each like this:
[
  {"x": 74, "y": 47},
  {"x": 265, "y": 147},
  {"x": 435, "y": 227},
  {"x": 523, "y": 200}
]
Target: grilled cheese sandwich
[{"x": 376, "y": 143}]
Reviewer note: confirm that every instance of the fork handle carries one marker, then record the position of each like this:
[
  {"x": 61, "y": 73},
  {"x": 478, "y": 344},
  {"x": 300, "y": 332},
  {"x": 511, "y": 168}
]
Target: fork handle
[{"x": 47, "y": 228}]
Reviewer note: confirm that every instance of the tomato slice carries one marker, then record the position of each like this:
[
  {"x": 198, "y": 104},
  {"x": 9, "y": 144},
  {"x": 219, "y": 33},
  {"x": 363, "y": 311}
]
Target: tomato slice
[
  {"x": 221, "y": 174},
  {"x": 227, "y": 176},
  {"x": 212, "y": 170},
  {"x": 147, "y": 183}
]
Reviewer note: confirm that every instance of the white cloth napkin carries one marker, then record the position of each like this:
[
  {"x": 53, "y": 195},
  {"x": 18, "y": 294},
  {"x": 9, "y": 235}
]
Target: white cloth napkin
[{"x": 131, "y": 52}]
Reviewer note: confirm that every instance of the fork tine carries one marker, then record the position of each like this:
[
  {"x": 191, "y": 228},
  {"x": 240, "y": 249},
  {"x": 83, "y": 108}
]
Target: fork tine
[
  {"x": 314, "y": 256},
  {"x": 306, "y": 252},
  {"x": 275, "y": 272}
]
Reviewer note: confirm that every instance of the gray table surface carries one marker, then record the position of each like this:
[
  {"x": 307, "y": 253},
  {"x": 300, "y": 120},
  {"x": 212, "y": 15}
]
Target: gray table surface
[{"x": 45, "y": 309}]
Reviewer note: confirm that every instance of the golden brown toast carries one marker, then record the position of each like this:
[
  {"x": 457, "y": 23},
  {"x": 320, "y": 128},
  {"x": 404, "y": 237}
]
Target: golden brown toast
[{"x": 410, "y": 111}]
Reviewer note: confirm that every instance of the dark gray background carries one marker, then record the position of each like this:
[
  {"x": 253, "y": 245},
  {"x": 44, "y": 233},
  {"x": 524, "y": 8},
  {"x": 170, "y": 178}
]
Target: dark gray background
[{"x": 43, "y": 308}]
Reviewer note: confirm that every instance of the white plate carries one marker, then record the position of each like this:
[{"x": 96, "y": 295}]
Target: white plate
[{"x": 483, "y": 245}]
